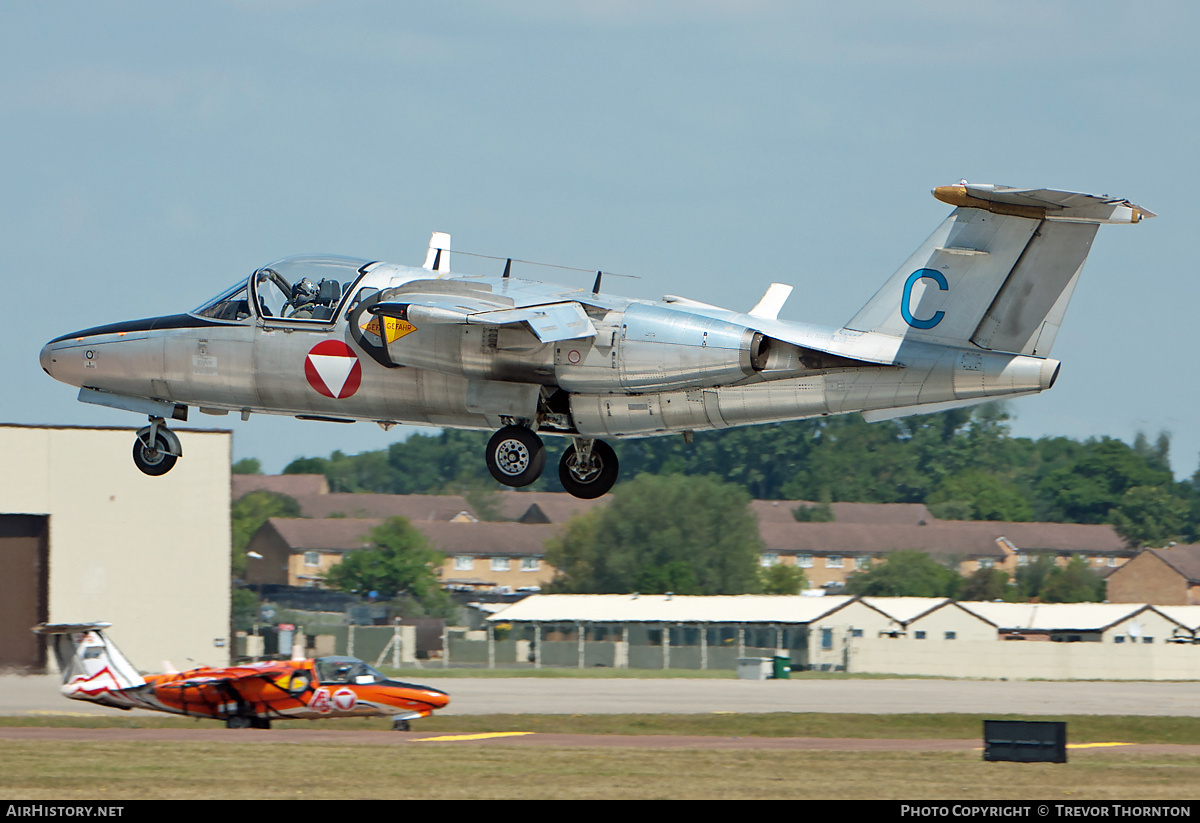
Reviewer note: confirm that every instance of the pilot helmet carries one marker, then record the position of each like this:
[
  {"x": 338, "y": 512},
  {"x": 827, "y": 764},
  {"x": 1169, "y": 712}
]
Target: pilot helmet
[{"x": 304, "y": 291}]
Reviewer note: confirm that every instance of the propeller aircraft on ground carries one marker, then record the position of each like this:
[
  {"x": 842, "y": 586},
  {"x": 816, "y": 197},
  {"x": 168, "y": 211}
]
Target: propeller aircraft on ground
[
  {"x": 971, "y": 316},
  {"x": 248, "y": 696}
]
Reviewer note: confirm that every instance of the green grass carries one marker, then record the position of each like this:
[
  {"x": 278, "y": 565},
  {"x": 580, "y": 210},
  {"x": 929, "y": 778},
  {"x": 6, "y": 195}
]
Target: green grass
[
  {"x": 1080, "y": 728},
  {"x": 115, "y": 771}
]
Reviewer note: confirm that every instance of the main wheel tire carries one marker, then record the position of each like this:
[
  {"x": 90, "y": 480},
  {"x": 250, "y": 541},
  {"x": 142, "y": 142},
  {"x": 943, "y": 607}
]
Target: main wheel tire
[
  {"x": 593, "y": 480},
  {"x": 515, "y": 456},
  {"x": 237, "y": 721},
  {"x": 154, "y": 461}
]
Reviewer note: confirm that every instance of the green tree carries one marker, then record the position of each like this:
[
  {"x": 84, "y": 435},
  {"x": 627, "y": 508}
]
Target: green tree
[
  {"x": 906, "y": 574},
  {"x": 821, "y": 512},
  {"x": 688, "y": 535},
  {"x": 247, "y": 465},
  {"x": 1032, "y": 576},
  {"x": 1088, "y": 487},
  {"x": 780, "y": 579},
  {"x": 1149, "y": 516},
  {"x": 1073, "y": 583},
  {"x": 243, "y": 607},
  {"x": 981, "y": 495},
  {"x": 986, "y": 584},
  {"x": 397, "y": 563},
  {"x": 248, "y": 514}
]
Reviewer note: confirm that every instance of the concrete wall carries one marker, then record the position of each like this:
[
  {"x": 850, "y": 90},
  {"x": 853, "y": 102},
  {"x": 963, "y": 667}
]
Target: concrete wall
[
  {"x": 1017, "y": 660},
  {"x": 148, "y": 554}
]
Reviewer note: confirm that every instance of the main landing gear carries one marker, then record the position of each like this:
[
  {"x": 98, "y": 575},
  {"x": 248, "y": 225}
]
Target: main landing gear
[
  {"x": 156, "y": 448},
  {"x": 242, "y": 721},
  {"x": 516, "y": 456}
]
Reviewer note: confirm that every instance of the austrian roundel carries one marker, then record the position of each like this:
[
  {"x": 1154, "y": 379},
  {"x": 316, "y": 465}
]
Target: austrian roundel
[{"x": 333, "y": 370}]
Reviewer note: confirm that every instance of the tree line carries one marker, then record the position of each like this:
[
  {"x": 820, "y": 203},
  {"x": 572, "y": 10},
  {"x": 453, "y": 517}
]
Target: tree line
[{"x": 964, "y": 464}]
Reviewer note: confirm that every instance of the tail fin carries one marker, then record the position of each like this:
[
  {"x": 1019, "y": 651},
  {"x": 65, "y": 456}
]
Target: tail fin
[
  {"x": 92, "y": 667},
  {"x": 998, "y": 273}
]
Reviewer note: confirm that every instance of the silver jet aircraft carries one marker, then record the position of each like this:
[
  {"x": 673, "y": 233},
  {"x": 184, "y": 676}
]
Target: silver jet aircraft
[{"x": 970, "y": 316}]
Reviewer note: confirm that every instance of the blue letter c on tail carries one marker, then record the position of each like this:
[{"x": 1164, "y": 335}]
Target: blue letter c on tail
[{"x": 935, "y": 276}]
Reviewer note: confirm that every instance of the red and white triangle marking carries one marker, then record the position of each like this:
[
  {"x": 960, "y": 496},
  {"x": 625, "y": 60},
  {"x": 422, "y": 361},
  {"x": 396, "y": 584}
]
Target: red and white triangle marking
[{"x": 333, "y": 369}]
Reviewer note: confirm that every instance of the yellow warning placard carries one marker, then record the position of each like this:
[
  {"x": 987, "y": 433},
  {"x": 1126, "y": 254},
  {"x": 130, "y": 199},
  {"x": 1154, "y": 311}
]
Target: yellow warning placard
[{"x": 393, "y": 327}]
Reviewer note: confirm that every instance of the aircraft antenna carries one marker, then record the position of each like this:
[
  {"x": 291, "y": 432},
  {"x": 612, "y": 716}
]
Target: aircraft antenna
[
  {"x": 596, "y": 285},
  {"x": 508, "y": 261}
]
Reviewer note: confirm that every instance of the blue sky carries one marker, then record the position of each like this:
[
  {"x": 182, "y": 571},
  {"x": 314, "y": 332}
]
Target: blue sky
[{"x": 156, "y": 152}]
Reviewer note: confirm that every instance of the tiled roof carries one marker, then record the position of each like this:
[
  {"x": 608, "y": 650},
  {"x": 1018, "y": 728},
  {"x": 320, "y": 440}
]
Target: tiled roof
[
  {"x": 880, "y": 514},
  {"x": 416, "y": 507},
  {"x": 1183, "y": 559},
  {"x": 480, "y": 539},
  {"x": 975, "y": 538},
  {"x": 293, "y": 485}
]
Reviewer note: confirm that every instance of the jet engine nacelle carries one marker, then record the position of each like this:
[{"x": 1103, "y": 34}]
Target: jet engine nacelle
[{"x": 662, "y": 348}]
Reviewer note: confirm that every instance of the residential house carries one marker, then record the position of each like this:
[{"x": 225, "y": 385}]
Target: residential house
[{"x": 1168, "y": 577}]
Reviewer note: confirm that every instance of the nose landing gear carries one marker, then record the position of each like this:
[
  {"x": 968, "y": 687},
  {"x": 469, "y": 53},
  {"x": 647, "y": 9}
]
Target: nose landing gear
[{"x": 156, "y": 448}]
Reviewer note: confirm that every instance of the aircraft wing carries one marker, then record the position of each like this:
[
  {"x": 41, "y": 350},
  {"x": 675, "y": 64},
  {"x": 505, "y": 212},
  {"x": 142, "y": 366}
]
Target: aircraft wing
[
  {"x": 565, "y": 320},
  {"x": 223, "y": 677}
]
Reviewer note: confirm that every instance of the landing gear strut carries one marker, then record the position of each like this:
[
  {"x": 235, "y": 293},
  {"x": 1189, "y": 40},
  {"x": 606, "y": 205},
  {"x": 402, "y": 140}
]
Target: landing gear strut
[
  {"x": 156, "y": 448},
  {"x": 241, "y": 721},
  {"x": 515, "y": 456},
  {"x": 588, "y": 468}
]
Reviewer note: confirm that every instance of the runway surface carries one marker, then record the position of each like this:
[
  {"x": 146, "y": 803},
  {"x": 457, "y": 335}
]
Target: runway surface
[
  {"x": 334, "y": 737},
  {"x": 472, "y": 696}
]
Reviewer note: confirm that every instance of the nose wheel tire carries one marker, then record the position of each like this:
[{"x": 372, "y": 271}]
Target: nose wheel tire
[
  {"x": 154, "y": 458},
  {"x": 515, "y": 456},
  {"x": 590, "y": 478}
]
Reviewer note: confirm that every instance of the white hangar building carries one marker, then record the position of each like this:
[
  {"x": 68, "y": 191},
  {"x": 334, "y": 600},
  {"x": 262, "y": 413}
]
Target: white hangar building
[
  {"x": 652, "y": 631},
  {"x": 86, "y": 536},
  {"x": 902, "y": 636}
]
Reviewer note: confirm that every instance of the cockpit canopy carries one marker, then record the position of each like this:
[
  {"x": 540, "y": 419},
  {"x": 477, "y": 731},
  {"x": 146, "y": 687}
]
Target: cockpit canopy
[
  {"x": 339, "y": 669},
  {"x": 306, "y": 289}
]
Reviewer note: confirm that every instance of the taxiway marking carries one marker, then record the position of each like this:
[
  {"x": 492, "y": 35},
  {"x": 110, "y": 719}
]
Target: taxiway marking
[{"x": 483, "y": 736}]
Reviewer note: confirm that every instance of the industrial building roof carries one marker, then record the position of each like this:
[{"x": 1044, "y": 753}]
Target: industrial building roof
[
  {"x": 1053, "y": 616},
  {"x": 906, "y": 609},
  {"x": 662, "y": 608}
]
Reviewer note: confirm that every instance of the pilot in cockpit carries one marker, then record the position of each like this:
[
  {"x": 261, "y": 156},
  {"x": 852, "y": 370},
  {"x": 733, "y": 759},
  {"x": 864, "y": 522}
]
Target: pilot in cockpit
[{"x": 304, "y": 299}]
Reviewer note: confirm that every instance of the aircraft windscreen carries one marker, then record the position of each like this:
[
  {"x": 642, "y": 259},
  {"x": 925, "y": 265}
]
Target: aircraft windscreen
[
  {"x": 305, "y": 288},
  {"x": 230, "y": 304},
  {"x": 346, "y": 670}
]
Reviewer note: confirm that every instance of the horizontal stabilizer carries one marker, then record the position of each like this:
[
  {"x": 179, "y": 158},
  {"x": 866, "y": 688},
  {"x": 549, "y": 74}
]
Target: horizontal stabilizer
[{"x": 1042, "y": 204}]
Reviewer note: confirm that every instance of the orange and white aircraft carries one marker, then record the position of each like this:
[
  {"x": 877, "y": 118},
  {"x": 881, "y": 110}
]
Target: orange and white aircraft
[{"x": 248, "y": 696}]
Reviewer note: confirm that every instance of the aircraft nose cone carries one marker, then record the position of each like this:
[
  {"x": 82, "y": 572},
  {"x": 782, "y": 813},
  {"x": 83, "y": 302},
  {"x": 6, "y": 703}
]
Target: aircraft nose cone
[{"x": 44, "y": 359}]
